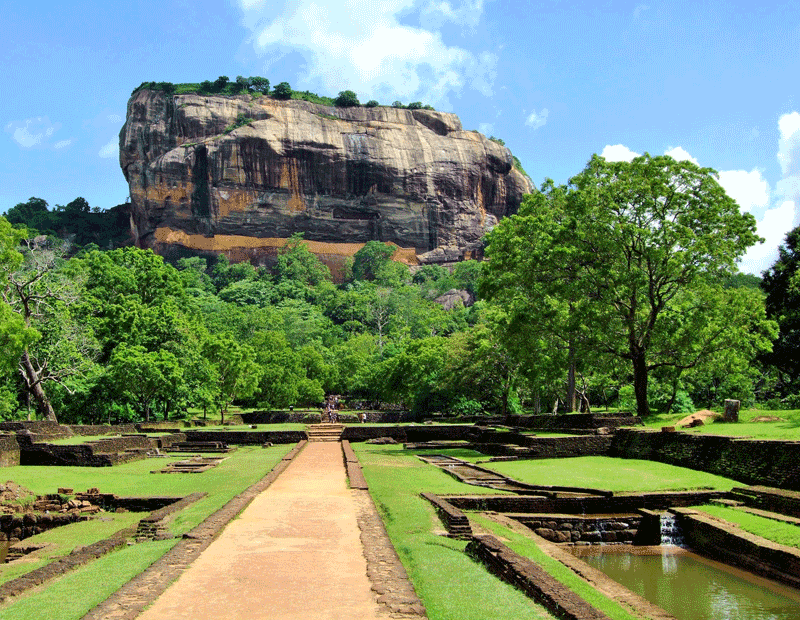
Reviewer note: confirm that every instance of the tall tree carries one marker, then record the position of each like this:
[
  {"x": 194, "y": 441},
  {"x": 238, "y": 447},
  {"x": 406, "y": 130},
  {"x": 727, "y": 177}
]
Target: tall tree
[
  {"x": 781, "y": 283},
  {"x": 619, "y": 245},
  {"x": 44, "y": 296}
]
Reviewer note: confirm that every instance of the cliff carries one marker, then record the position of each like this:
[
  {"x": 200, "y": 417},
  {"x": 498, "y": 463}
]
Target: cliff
[{"x": 239, "y": 175}]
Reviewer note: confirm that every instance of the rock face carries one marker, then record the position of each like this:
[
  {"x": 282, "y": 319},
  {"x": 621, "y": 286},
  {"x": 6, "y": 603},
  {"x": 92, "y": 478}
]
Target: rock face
[{"x": 342, "y": 176}]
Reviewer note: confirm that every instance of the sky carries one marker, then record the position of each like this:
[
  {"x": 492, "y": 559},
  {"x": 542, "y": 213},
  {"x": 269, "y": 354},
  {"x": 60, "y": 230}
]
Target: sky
[{"x": 714, "y": 82}]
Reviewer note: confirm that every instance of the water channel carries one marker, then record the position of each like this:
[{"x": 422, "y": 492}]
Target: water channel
[{"x": 692, "y": 587}]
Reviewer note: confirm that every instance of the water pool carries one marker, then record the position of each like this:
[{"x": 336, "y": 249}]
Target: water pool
[{"x": 692, "y": 587}]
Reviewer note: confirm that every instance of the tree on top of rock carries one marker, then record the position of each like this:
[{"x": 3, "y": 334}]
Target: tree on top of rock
[
  {"x": 346, "y": 99},
  {"x": 282, "y": 91}
]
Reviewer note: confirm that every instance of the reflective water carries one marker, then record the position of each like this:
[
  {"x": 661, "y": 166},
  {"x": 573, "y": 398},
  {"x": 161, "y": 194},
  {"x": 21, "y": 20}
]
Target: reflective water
[{"x": 691, "y": 587}]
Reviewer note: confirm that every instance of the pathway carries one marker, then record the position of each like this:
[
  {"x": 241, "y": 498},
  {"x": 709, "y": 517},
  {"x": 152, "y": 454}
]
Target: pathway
[{"x": 294, "y": 552}]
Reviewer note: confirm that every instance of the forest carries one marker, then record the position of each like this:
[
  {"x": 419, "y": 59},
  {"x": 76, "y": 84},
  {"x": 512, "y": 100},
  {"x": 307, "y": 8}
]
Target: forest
[{"x": 617, "y": 290}]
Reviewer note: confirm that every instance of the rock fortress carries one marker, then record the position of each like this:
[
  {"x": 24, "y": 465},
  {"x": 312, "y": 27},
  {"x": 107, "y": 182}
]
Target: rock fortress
[{"x": 211, "y": 174}]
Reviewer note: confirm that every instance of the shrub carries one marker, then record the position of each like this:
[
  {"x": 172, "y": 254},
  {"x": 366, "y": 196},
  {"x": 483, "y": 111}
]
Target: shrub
[
  {"x": 398, "y": 104},
  {"x": 463, "y": 406},
  {"x": 282, "y": 91},
  {"x": 372, "y": 104},
  {"x": 415, "y": 105},
  {"x": 260, "y": 85},
  {"x": 346, "y": 99}
]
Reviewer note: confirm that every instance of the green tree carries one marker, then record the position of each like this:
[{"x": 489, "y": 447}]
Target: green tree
[
  {"x": 33, "y": 214},
  {"x": 237, "y": 373},
  {"x": 346, "y": 99},
  {"x": 142, "y": 377},
  {"x": 297, "y": 264},
  {"x": 781, "y": 283},
  {"x": 617, "y": 248},
  {"x": 44, "y": 296},
  {"x": 15, "y": 335},
  {"x": 221, "y": 82},
  {"x": 260, "y": 85},
  {"x": 371, "y": 104},
  {"x": 369, "y": 259},
  {"x": 282, "y": 91}
]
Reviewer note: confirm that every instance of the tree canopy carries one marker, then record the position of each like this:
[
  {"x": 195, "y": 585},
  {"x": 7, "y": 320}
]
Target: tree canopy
[{"x": 612, "y": 256}]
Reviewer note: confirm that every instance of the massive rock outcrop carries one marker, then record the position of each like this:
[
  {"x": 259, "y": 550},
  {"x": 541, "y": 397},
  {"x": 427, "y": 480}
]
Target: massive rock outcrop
[{"x": 240, "y": 175}]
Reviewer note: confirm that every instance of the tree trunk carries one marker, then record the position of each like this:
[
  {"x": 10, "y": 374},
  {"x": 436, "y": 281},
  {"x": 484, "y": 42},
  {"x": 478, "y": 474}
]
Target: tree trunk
[
  {"x": 640, "y": 384},
  {"x": 35, "y": 389},
  {"x": 571, "y": 379}
]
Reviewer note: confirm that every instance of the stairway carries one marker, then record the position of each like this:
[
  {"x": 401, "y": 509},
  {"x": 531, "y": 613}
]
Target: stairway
[{"x": 324, "y": 432}]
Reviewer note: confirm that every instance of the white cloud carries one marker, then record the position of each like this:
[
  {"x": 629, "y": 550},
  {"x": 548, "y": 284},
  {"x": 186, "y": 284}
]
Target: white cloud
[
  {"x": 537, "y": 119},
  {"x": 678, "y": 153},
  {"x": 776, "y": 222},
  {"x": 750, "y": 189},
  {"x": 486, "y": 128},
  {"x": 62, "y": 143},
  {"x": 618, "y": 152},
  {"x": 32, "y": 131},
  {"x": 789, "y": 143},
  {"x": 773, "y": 227},
  {"x": 361, "y": 45},
  {"x": 109, "y": 150}
]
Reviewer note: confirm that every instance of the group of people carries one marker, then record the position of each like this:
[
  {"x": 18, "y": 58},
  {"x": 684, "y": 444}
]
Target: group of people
[{"x": 330, "y": 410}]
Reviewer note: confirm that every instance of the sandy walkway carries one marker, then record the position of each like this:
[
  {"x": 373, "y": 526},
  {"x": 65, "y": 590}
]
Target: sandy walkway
[{"x": 294, "y": 552}]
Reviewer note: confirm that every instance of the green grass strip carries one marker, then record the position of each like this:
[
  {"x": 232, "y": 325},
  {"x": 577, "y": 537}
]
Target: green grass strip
[
  {"x": 73, "y": 595},
  {"x": 776, "y": 531},
  {"x": 602, "y": 472},
  {"x": 62, "y": 540},
  {"x": 451, "y": 585},
  {"x": 527, "y": 547}
]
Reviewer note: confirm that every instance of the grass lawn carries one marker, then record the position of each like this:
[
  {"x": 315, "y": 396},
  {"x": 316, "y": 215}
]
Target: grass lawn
[
  {"x": 776, "y": 531},
  {"x": 451, "y": 585},
  {"x": 97, "y": 580},
  {"x": 787, "y": 428},
  {"x": 602, "y": 472}
]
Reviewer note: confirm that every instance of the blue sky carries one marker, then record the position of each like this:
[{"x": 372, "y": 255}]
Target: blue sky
[{"x": 718, "y": 82}]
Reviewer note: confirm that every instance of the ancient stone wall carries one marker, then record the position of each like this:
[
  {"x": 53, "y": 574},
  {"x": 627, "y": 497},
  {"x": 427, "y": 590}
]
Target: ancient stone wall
[
  {"x": 573, "y": 421},
  {"x": 734, "y": 546},
  {"x": 248, "y": 438},
  {"x": 16, "y": 527},
  {"x": 623, "y": 503},
  {"x": 9, "y": 450},
  {"x": 101, "y": 429},
  {"x": 765, "y": 462}
]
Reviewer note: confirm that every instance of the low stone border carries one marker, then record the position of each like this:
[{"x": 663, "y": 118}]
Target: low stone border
[
  {"x": 148, "y": 528},
  {"x": 531, "y": 579},
  {"x": 354, "y": 473},
  {"x": 384, "y": 569},
  {"x": 779, "y": 501},
  {"x": 640, "y": 606},
  {"x": 154, "y": 525},
  {"x": 133, "y": 597},
  {"x": 726, "y": 542},
  {"x": 454, "y": 520}
]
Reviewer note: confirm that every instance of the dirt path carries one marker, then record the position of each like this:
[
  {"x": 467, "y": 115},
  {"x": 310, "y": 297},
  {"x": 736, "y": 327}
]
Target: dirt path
[{"x": 293, "y": 553}]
